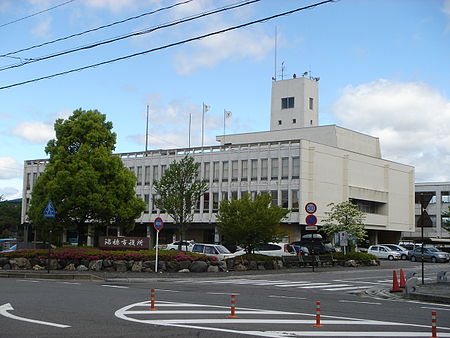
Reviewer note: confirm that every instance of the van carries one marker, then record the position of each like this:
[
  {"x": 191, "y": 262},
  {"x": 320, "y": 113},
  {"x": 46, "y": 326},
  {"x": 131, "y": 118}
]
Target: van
[{"x": 316, "y": 247}]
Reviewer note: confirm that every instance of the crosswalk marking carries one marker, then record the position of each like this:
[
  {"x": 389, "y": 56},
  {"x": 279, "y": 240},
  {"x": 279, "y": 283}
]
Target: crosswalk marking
[{"x": 334, "y": 286}]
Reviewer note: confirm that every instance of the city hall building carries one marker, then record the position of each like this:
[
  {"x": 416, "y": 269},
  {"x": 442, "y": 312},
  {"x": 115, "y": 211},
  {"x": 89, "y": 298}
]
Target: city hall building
[{"x": 296, "y": 162}]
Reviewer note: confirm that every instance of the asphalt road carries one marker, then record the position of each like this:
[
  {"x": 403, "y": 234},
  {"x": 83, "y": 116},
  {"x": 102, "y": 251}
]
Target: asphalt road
[{"x": 267, "y": 305}]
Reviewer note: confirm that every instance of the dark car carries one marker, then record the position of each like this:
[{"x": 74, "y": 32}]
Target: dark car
[
  {"x": 317, "y": 246},
  {"x": 430, "y": 254}
]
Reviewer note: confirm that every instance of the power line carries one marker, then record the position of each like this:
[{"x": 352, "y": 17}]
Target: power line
[
  {"x": 142, "y": 32},
  {"x": 97, "y": 28},
  {"x": 34, "y": 14},
  {"x": 169, "y": 45}
]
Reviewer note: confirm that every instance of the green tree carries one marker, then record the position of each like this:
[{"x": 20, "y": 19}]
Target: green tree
[
  {"x": 345, "y": 216},
  {"x": 178, "y": 192},
  {"x": 10, "y": 212},
  {"x": 446, "y": 224},
  {"x": 86, "y": 182},
  {"x": 247, "y": 222}
]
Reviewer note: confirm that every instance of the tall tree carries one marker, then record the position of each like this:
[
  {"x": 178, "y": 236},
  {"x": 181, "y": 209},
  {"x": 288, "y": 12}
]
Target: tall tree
[
  {"x": 345, "y": 216},
  {"x": 178, "y": 192},
  {"x": 446, "y": 223},
  {"x": 86, "y": 182},
  {"x": 247, "y": 222},
  {"x": 9, "y": 217}
]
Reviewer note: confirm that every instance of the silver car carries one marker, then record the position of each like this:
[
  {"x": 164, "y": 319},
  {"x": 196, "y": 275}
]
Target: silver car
[{"x": 383, "y": 252}]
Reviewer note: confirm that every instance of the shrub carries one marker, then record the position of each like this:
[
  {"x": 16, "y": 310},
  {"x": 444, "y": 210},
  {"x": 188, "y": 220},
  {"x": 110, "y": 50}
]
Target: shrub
[
  {"x": 256, "y": 257},
  {"x": 357, "y": 256}
]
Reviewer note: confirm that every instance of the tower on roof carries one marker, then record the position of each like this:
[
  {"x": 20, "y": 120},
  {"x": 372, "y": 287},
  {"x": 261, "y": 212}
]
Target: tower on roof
[{"x": 295, "y": 103}]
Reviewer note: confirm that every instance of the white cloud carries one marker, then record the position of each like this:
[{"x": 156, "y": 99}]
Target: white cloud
[
  {"x": 34, "y": 132},
  {"x": 116, "y": 6},
  {"x": 10, "y": 193},
  {"x": 9, "y": 168},
  {"x": 42, "y": 29},
  {"x": 236, "y": 45},
  {"x": 411, "y": 119}
]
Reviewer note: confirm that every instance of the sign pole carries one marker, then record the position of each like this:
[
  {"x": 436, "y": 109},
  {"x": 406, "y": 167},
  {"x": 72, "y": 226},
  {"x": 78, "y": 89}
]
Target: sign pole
[{"x": 156, "y": 261}]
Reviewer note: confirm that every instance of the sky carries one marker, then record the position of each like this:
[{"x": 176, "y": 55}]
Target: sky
[{"x": 384, "y": 69}]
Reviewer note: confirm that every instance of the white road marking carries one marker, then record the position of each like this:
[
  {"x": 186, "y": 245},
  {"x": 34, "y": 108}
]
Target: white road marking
[
  {"x": 164, "y": 290},
  {"x": 281, "y": 334},
  {"x": 7, "y": 307},
  {"x": 27, "y": 280},
  {"x": 435, "y": 308},
  {"x": 223, "y": 293},
  {"x": 354, "y": 301},
  {"x": 312, "y": 285},
  {"x": 273, "y": 296},
  {"x": 346, "y": 288},
  {"x": 70, "y": 283},
  {"x": 115, "y": 286}
]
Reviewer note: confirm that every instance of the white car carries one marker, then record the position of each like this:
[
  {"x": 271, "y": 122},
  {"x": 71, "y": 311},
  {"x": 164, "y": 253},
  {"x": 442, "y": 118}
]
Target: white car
[
  {"x": 384, "y": 252},
  {"x": 403, "y": 251},
  {"x": 188, "y": 244},
  {"x": 275, "y": 249},
  {"x": 216, "y": 250}
]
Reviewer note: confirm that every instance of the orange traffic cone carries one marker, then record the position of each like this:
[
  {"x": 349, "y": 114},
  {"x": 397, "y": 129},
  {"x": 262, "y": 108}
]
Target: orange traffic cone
[
  {"x": 402, "y": 279},
  {"x": 395, "y": 287}
]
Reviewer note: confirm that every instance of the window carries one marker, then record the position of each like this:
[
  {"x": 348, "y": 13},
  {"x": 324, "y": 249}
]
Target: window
[
  {"x": 234, "y": 170},
  {"x": 206, "y": 202},
  {"x": 35, "y": 176},
  {"x": 433, "y": 193},
  {"x": 253, "y": 195},
  {"x": 296, "y": 167},
  {"x": 147, "y": 203},
  {"x": 139, "y": 175},
  {"x": 445, "y": 196},
  {"x": 285, "y": 168},
  {"x": 287, "y": 102},
  {"x": 215, "y": 202},
  {"x": 234, "y": 195},
  {"x": 294, "y": 200},
  {"x": 132, "y": 169},
  {"x": 197, "y": 206},
  {"x": 284, "y": 199},
  {"x": 225, "y": 171},
  {"x": 274, "y": 194},
  {"x": 147, "y": 175},
  {"x": 199, "y": 171},
  {"x": 254, "y": 169},
  {"x": 264, "y": 164},
  {"x": 311, "y": 103},
  {"x": 294, "y": 121},
  {"x": 279, "y": 122},
  {"x": 224, "y": 195},
  {"x": 244, "y": 193},
  {"x": 369, "y": 207},
  {"x": 155, "y": 173},
  {"x": 274, "y": 168},
  {"x": 206, "y": 168},
  {"x": 216, "y": 171},
  {"x": 244, "y": 170},
  {"x": 154, "y": 209},
  {"x": 163, "y": 169},
  {"x": 28, "y": 181}
]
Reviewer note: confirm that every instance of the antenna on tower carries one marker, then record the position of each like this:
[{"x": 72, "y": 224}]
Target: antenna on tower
[
  {"x": 275, "y": 70},
  {"x": 282, "y": 70},
  {"x": 146, "y": 134}
]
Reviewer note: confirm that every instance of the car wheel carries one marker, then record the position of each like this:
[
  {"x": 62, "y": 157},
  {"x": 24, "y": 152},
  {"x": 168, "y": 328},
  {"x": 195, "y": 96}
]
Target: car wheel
[
  {"x": 172, "y": 249},
  {"x": 433, "y": 260},
  {"x": 391, "y": 258},
  {"x": 404, "y": 257},
  {"x": 413, "y": 259}
]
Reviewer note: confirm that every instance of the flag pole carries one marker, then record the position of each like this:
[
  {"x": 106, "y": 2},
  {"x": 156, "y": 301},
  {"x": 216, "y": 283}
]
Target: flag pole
[
  {"x": 146, "y": 135},
  {"x": 203, "y": 122},
  {"x": 190, "y": 118},
  {"x": 224, "y": 113}
]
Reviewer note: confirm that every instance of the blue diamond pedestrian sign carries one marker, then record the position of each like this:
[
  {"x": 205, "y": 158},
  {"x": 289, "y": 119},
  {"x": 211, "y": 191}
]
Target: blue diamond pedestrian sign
[{"x": 49, "y": 211}]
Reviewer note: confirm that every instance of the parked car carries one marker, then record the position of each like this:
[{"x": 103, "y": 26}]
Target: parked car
[
  {"x": 318, "y": 247},
  {"x": 10, "y": 249},
  {"x": 216, "y": 250},
  {"x": 403, "y": 251},
  {"x": 275, "y": 249},
  {"x": 410, "y": 246},
  {"x": 383, "y": 252},
  {"x": 430, "y": 254},
  {"x": 185, "y": 245}
]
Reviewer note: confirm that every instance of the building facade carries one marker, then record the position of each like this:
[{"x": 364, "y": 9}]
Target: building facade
[{"x": 296, "y": 162}]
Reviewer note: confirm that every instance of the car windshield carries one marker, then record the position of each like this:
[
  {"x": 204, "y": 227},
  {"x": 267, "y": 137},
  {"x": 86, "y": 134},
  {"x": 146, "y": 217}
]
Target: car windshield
[
  {"x": 394, "y": 248},
  {"x": 222, "y": 249},
  {"x": 432, "y": 249}
]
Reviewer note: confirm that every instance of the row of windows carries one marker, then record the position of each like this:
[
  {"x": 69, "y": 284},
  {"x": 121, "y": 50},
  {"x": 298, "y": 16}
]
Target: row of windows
[
  {"x": 289, "y": 102},
  {"x": 445, "y": 197},
  {"x": 224, "y": 171},
  {"x": 209, "y": 203}
]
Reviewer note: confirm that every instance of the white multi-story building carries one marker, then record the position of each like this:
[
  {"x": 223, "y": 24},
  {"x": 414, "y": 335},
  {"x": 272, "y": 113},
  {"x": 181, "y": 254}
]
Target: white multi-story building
[
  {"x": 439, "y": 204},
  {"x": 296, "y": 162}
]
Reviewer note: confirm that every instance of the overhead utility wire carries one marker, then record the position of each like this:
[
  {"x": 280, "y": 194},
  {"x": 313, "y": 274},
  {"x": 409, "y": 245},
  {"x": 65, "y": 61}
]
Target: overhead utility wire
[
  {"x": 146, "y": 31},
  {"x": 169, "y": 45},
  {"x": 97, "y": 28},
  {"x": 34, "y": 14}
]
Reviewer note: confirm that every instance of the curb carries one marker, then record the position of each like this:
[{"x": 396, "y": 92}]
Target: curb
[{"x": 31, "y": 275}]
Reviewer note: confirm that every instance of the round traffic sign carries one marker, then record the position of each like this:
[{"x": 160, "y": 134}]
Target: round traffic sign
[
  {"x": 158, "y": 224},
  {"x": 311, "y": 220},
  {"x": 310, "y": 208}
]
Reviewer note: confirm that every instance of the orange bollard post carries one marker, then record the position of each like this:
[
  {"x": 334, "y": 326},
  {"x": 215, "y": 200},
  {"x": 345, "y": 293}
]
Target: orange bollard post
[
  {"x": 317, "y": 315},
  {"x": 233, "y": 307},
  {"x": 152, "y": 300},
  {"x": 402, "y": 279},
  {"x": 433, "y": 325},
  {"x": 395, "y": 287}
]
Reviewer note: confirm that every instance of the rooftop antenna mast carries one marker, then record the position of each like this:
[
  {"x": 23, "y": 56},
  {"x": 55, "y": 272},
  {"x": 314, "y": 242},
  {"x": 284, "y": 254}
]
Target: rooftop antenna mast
[
  {"x": 275, "y": 70},
  {"x": 282, "y": 70}
]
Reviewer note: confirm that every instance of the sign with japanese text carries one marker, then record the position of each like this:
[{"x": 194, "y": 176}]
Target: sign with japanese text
[{"x": 135, "y": 243}]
